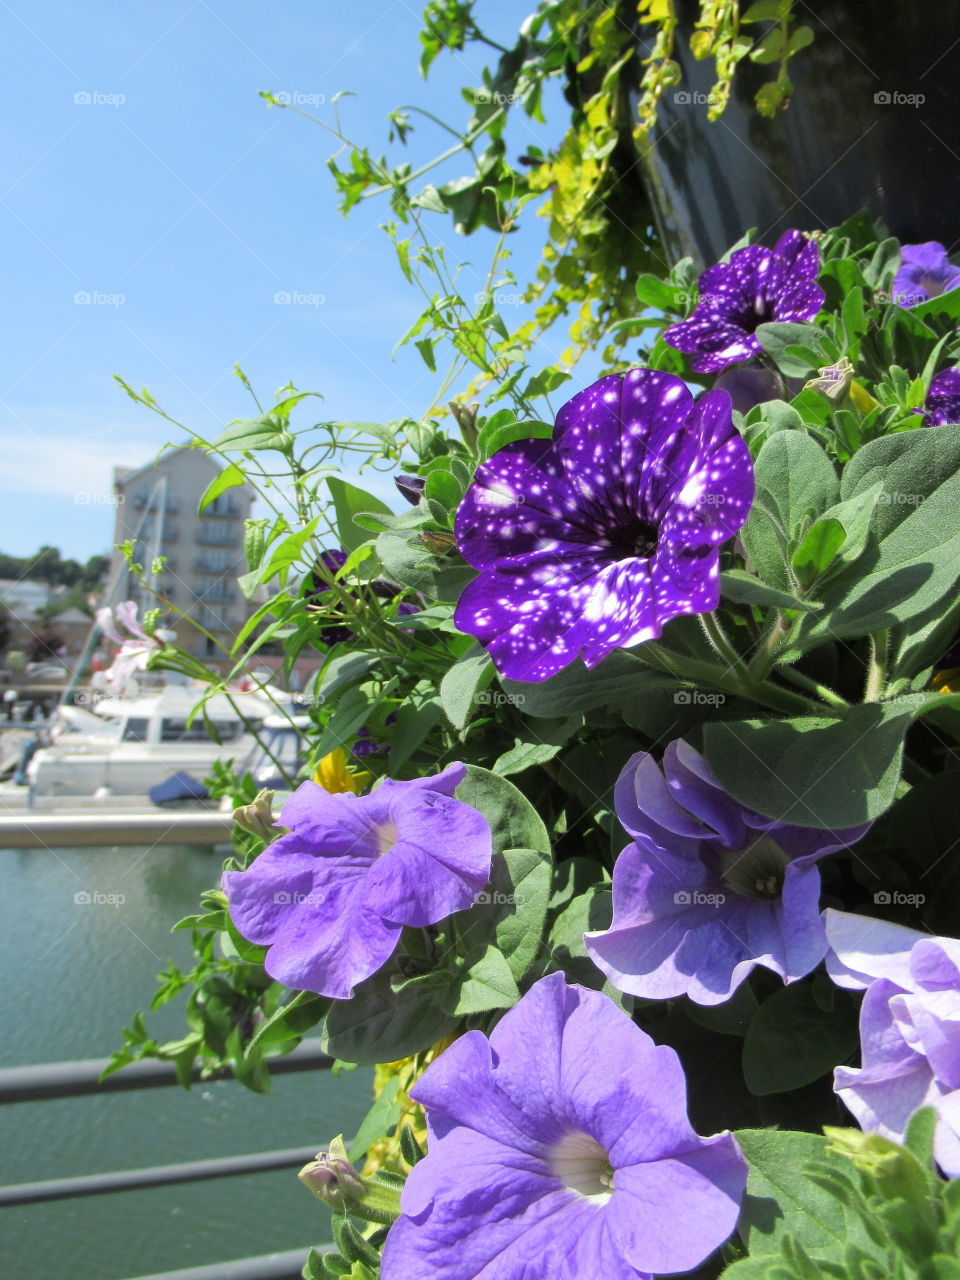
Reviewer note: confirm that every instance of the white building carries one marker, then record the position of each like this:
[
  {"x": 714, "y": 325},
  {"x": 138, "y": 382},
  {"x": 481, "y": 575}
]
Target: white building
[{"x": 157, "y": 509}]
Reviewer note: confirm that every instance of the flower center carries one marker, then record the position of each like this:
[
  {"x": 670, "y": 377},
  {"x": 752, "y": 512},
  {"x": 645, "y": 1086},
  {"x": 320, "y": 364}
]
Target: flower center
[
  {"x": 934, "y": 285},
  {"x": 386, "y": 834},
  {"x": 636, "y": 540},
  {"x": 582, "y": 1166},
  {"x": 756, "y": 871}
]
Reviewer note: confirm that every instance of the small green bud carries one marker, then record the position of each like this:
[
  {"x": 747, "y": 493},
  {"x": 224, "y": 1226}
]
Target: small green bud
[
  {"x": 334, "y": 1180},
  {"x": 257, "y": 818}
]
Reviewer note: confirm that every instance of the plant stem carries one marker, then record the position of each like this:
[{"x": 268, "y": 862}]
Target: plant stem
[
  {"x": 877, "y": 670},
  {"x": 694, "y": 671},
  {"x": 813, "y": 686}
]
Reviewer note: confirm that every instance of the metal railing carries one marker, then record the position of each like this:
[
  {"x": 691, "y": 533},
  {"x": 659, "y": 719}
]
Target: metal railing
[{"x": 82, "y": 1079}]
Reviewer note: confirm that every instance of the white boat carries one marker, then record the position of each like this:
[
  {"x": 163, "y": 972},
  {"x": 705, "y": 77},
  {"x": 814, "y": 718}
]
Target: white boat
[{"x": 131, "y": 745}]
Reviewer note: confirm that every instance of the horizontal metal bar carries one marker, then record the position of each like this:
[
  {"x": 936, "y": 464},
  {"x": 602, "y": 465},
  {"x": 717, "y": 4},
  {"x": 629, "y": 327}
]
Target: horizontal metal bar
[
  {"x": 96, "y": 1184},
  {"x": 271, "y": 1266},
  {"x": 73, "y": 830},
  {"x": 78, "y": 1079}
]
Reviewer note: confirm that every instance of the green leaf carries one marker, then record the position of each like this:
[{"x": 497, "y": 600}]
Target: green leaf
[
  {"x": 792, "y": 1041},
  {"x": 782, "y": 1199},
  {"x": 349, "y": 501},
  {"x": 744, "y": 588},
  {"x": 268, "y": 432},
  {"x": 388, "y": 1018},
  {"x": 525, "y": 755},
  {"x": 461, "y": 689},
  {"x": 618, "y": 681},
  {"x": 514, "y": 822},
  {"x": 818, "y": 550},
  {"x": 229, "y": 478},
  {"x": 290, "y": 1021},
  {"x": 379, "y": 1120},
  {"x": 945, "y": 308},
  {"x": 510, "y": 913},
  {"x": 794, "y": 477},
  {"x": 913, "y": 562},
  {"x": 485, "y": 982},
  {"x": 797, "y": 350},
  {"x": 503, "y": 429},
  {"x": 817, "y": 772}
]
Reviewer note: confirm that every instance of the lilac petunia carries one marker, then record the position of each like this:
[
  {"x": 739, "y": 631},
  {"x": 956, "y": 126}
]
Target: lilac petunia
[
  {"x": 330, "y": 899},
  {"x": 757, "y": 286},
  {"x": 593, "y": 540},
  {"x": 942, "y": 404},
  {"x": 120, "y": 625},
  {"x": 708, "y": 889},
  {"x": 909, "y": 1028},
  {"x": 925, "y": 272},
  {"x": 560, "y": 1149}
]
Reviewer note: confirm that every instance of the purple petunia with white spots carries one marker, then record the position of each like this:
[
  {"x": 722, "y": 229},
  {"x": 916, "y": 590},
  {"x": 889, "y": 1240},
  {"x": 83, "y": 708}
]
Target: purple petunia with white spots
[
  {"x": 942, "y": 404},
  {"x": 330, "y": 898},
  {"x": 757, "y": 286},
  {"x": 707, "y": 890},
  {"x": 560, "y": 1149},
  {"x": 925, "y": 272},
  {"x": 592, "y": 541}
]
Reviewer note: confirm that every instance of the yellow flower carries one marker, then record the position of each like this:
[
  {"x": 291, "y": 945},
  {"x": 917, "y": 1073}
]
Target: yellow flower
[
  {"x": 946, "y": 681},
  {"x": 333, "y": 775}
]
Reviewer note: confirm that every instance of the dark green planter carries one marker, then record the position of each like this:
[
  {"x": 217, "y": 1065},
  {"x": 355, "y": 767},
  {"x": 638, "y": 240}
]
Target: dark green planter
[{"x": 852, "y": 137}]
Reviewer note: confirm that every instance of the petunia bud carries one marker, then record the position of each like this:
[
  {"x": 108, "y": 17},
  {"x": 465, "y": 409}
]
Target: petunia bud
[
  {"x": 411, "y": 487},
  {"x": 833, "y": 381},
  {"x": 334, "y": 1180},
  {"x": 466, "y": 419},
  {"x": 257, "y": 818},
  {"x": 441, "y": 544}
]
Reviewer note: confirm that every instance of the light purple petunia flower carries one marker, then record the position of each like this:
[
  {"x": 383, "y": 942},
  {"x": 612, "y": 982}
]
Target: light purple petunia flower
[
  {"x": 330, "y": 899},
  {"x": 757, "y": 286},
  {"x": 707, "y": 890},
  {"x": 925, "y": 272},
  {"x": 593, "y": 540},
  {"x": 560, "y": 1149},
  {"x": 909, "y": 1028},
  {"x": 942, "y": 404}
]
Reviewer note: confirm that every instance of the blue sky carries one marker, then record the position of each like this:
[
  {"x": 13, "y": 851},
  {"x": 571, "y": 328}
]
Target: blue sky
[{"x": 141, "y": 170}]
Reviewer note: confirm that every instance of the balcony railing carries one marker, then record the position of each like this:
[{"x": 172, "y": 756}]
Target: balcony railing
[
  {"x": 81, "y": 1079},
  {"x": 217, "y": 535}
]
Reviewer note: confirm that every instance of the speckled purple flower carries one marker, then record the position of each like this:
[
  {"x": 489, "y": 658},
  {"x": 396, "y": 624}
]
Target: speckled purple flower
[
  {"x": 330, "y": 899},
  {"x": 593, "y": 540},
  {"x": 707, "y": 890},
  {"x": 909, "y": 1028},
  {"x": 942, "y": 404},
  {"x": 560, "y": 1149},
  {"x": 925, "y": 272},
  {"x": 757, "y": 286}
]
